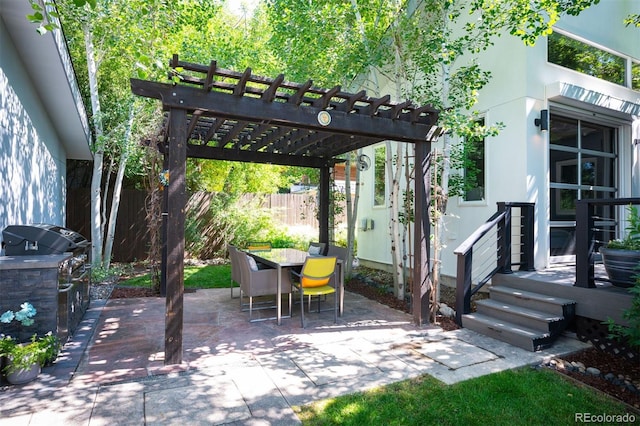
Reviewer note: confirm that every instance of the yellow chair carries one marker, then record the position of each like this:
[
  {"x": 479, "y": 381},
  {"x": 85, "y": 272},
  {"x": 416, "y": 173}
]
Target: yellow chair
[
  {"x": 313, "y": 280},
  {"x": 259, "y": 246}
]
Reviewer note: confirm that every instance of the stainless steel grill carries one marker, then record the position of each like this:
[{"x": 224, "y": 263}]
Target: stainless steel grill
[
  {"x": 74, "y": 274},
  {"x": 36, "y": 239}
]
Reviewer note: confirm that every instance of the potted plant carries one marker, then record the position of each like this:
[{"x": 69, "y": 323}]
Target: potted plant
[
  {"x": 621, "y": 257},
  {"x": 21, "y": 362}
]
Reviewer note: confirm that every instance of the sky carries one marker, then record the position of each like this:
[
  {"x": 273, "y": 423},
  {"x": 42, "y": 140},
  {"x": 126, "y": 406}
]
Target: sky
[{"x": 235, "y": 6}]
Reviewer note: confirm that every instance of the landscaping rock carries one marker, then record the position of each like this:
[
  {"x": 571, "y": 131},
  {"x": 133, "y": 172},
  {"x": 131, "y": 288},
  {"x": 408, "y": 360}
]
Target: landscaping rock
[{"x": 593, "y": 371}]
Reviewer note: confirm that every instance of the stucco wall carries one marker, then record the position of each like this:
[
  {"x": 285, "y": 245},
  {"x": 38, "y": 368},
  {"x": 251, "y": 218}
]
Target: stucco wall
[
  {"x": 32, "y": 161},
  {"x": 517, "y": 159}
]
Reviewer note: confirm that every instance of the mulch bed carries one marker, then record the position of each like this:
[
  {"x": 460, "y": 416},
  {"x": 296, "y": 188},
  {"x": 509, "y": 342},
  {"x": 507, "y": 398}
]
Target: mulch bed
[
  {"x": 607, "y": 363},
  {"x": 381, "y": 295}
]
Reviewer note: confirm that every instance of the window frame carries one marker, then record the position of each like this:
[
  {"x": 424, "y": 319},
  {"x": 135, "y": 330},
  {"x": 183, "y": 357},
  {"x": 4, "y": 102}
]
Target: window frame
[
  {"x": 483, "y": 199},
  {"x": 377, "y": 191},
  {"x": 628, "y": 60}
]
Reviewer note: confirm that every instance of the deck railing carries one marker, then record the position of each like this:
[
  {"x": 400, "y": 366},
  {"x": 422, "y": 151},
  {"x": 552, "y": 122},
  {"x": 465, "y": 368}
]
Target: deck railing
[
  {"x": 586, "y": 231},
  {"x": 492, "y": 249}
]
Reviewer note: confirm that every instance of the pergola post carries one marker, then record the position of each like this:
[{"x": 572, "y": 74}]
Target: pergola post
[
  {"x": 422, "y": 286},
  {"x": 324, "y": 204},
  {"x": 163, "y": 232},
  {"x": 177, "y": 197}
]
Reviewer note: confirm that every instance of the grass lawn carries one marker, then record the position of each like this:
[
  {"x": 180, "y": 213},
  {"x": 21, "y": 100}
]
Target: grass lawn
[
  {"x": 210, "y": 276},
  {"x": 524, "y": 396}
]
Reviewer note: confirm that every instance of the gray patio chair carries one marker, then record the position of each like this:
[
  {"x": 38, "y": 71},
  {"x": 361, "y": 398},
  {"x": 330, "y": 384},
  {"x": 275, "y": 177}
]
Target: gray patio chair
[
  {"x": 339, "y": 252},
  {"x": 256, "y": 282},
  {"x": 235, "y": 268},
  {"x": 317, "y": 249}
]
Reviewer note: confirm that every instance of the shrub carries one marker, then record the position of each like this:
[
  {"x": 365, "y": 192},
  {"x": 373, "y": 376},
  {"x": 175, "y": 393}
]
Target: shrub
[
  {"x": 630, "y": 334},
  {"x": 632, "y": 240}
]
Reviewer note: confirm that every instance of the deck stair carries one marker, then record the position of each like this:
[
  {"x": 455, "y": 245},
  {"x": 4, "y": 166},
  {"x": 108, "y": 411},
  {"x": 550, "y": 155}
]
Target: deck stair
[{"x": 525, "y": 319}]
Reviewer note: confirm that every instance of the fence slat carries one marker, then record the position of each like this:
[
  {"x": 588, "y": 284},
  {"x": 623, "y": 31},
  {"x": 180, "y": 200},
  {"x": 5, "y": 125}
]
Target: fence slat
[{"x": 132, "y": 239}]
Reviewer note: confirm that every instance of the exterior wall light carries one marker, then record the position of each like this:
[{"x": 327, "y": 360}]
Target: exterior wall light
[{"x": 543, "y": 121}]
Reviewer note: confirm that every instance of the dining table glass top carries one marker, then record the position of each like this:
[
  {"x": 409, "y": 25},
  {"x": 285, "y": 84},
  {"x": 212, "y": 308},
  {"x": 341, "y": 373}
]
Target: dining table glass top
[{"x": 281, "y": 256}]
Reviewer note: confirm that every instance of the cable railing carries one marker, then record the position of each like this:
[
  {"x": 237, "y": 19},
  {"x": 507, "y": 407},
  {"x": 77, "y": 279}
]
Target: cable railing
[
  {"x": 500, "y": 243},
  {"x": 589, "y": 224}
]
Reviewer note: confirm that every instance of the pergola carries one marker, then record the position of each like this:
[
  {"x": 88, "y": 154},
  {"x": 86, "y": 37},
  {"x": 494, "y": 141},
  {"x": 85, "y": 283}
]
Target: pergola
[{"x": 215, "y": 113}]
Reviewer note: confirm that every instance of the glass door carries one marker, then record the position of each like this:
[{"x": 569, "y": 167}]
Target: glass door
[{"x": 582, "y": 161}]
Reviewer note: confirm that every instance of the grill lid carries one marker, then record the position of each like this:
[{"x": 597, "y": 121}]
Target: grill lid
[{"x": 36, "y": 239}]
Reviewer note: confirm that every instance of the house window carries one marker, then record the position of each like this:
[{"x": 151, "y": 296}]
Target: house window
[
  {"x": 635, "y": 75},
  {"x": 579, "y": 56},
  {"x": 379, "y": 183},
  {"x": 474, "y": 169}
]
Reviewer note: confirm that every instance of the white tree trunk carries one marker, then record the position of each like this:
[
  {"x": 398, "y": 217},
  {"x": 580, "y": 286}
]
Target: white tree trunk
[
  {"x": 394, "y": 174},
  {"x": 117, "y": 192},
  {"x": 352, "y": 212},
  {"x": 441, "y": 181},
  {"x": 98, "y": 156},
  {"x": 407, "y": 266}
]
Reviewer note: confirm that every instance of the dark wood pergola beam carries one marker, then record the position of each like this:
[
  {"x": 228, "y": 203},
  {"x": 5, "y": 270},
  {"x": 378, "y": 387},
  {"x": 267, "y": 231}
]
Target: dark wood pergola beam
[
  {"x": 272, "y": 137},
  {"x": 296, "y": 93},
  {"x": 279, "y": 113},
  {"x": 215, "y": 153}
]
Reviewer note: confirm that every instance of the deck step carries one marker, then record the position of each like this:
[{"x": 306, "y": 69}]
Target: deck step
[
  {"x": 514, "y": 334},
  {"x": 535, "y": 301},
  {"x": 536, "y": 320}
]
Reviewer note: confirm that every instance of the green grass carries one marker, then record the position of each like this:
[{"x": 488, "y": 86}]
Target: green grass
[
  {"x": 210, "y": 276},
  {"x": 524, "y": 396}
]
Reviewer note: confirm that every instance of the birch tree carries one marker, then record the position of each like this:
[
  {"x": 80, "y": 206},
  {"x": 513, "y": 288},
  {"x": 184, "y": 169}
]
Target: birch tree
[{"x": 111, "y": 41}]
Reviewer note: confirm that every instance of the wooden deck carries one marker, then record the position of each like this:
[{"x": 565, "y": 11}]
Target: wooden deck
[{"x": 604, "y": 301}]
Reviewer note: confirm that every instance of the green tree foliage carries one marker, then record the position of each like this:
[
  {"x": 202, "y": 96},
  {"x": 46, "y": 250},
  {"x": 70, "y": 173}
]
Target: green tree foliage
[
  {"x": 328, "y": 41},
  {"x": 633, "y": 19}
]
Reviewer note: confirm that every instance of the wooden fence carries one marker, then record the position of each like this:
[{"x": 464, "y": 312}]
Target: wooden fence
[{"x": 132, "y": 240}]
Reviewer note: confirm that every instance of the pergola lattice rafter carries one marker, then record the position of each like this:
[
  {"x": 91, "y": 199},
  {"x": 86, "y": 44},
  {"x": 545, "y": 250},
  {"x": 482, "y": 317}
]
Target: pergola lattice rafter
[
  {"x": 253, "y": 115},
  {"x": 215, "y": 113}
]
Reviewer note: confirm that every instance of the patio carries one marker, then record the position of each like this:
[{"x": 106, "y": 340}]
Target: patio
[{"x": 113, "y": 370}]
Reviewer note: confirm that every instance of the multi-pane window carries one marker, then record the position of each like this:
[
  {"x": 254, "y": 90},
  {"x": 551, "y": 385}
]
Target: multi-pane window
[
  {"x": 379, "y": 182},
  {"x": 582, "y": 57},
  {"x": 474, "y": 169}
]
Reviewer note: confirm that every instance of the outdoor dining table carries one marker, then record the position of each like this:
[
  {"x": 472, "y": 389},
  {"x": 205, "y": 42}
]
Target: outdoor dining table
[{"x": 279, "y": 258}]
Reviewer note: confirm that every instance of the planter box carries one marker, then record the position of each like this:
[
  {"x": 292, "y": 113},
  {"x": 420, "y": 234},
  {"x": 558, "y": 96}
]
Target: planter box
[
  {"x": 21, "y": 377},
  {"x": 621, "y": 265}
]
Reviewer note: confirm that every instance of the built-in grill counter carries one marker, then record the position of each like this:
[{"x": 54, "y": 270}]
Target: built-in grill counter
[{"x": 47, "y": 266}]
